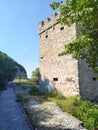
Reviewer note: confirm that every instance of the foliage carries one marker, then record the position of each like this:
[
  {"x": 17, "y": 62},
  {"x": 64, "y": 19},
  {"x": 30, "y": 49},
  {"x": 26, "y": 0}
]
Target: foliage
[
  {"x": 36, "y": 76},
  {"x": 19, "y": 98},
  {"x": 35, "y": 91},
  {"x": 7, "y": 69},
  {"x": 85, "y": 14},
  {"x": 55, "y": 94},
  {"x": 88, "y": 113}
]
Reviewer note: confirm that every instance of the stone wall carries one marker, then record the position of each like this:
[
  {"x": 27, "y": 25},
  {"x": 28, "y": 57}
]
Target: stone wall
[
  {"x": 64, "y": 73},
  {"x": 88, "y": 84}
]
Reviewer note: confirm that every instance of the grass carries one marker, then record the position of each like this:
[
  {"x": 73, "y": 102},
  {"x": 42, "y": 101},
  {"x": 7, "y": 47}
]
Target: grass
[
  {"x": 83, "y": 110},
  {"x": 35, "y": 91},
  {"x": 21, "y": 98}
]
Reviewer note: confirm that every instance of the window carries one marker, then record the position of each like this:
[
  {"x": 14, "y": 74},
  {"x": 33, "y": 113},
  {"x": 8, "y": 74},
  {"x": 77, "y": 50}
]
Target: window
[
  {"x": 61, "y": 28},
  {"x": 94, "y": 79},
  {"x": 46, "y": 36},
  {"x": 55, "y": 79},
  {"x": 41, "y": 57}
]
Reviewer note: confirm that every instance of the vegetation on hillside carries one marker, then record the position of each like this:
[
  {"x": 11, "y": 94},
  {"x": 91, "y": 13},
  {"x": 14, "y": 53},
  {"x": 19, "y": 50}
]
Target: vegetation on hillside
[
  {"x": 8, "y": 69},
  {"x": 85, "y": 14},
  {"x": 34, "y": 80}
]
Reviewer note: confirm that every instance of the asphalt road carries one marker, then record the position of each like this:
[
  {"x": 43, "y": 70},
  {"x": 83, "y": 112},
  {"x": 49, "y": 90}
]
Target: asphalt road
[{"x": 11, "y": 115}]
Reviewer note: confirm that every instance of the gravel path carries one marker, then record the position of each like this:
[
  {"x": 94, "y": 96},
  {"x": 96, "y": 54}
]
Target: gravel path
[{"x": 11, "y": 115}]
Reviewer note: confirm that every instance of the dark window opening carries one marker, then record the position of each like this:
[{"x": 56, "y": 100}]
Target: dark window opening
[
  {"x": 61, "y": 28},
  {"x": 46, "y": 36},
  {"x": 94, "y": 78},
  {"x": 41, "y": 57},
  {"x": 55, "y": 79}
]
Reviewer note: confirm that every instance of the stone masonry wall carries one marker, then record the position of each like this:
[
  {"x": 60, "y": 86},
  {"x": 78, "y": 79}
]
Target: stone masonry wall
[{"x": 64, "y": 73}]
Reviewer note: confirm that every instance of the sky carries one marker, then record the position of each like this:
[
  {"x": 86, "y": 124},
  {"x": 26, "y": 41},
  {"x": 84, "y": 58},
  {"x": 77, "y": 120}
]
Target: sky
[{"x": 19, "y": 38}]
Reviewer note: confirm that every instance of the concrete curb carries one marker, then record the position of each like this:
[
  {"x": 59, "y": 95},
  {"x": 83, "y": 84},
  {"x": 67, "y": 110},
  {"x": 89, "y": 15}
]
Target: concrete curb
[{"x": 22, "y": 107}]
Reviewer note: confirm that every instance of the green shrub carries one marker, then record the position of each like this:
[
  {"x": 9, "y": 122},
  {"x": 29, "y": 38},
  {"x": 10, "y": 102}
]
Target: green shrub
[
  {"x": 19, "y": 98},
  {"x": 55, "y": 94},
  {"x": 88, "y": 113},
  {"x": 35, "y": 91}
]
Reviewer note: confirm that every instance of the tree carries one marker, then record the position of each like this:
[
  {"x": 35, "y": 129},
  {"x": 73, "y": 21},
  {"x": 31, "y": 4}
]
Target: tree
[
  {"x": 8, "y": 69},
  {"x": 36, "y": 76},
  {"x": 85, "y": 14}
]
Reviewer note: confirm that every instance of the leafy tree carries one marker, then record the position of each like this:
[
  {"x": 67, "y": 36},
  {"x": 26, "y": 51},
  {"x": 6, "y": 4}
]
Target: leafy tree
[
  {"x": 7, "y": 69},
  {"x": 36, "y": 76},
  {"x": 85, "y": 14}
]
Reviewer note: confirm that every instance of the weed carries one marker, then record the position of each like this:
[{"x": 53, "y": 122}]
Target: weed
[
  {"x": 24, "y": 88},
  {"x": 19, "y": 98},
  {"x": 35, "y": 91},
  {"x": 88, "y": 113}
]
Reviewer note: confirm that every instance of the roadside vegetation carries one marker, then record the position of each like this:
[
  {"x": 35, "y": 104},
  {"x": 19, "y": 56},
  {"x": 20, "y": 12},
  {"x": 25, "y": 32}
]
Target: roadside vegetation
[
  {"x": 8, "y": 69},
  {"x": 86, "y": 111}
]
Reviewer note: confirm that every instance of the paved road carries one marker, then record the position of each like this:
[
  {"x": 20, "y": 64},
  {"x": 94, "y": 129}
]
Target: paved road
[{"x": 11, "y": 115}]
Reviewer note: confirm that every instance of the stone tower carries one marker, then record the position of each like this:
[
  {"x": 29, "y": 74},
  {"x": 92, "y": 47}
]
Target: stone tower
[{"x": 65, "y": 74}]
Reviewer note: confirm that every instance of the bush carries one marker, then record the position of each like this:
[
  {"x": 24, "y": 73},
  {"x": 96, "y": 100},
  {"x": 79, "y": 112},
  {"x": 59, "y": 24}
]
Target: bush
[
  {"x": 35, "y": 91},
  {"x": 36, "y": 76},
  {"x": 55, "y": 94},
  {"x": 88, "y": 113}
]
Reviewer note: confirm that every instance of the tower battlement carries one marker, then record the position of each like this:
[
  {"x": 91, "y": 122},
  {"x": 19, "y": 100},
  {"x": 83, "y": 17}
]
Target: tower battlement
[{"x": 47, "y": 23}]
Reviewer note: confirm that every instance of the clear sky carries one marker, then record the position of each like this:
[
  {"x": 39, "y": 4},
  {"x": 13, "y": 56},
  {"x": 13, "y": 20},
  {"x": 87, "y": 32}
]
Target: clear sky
[{"x": 19, "y": 21}]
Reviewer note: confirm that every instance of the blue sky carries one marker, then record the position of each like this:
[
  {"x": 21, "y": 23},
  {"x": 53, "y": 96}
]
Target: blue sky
[{"x": 19, "y": 21}]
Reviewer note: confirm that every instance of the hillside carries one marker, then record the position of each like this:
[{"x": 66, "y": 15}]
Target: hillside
[{"x": 10, "y": 69}]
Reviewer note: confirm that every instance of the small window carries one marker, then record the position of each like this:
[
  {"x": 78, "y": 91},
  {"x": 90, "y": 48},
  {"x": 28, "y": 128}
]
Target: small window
[
  {"x": 94, "y": 79},
  {"x": 61, "y": 28},
  {"x": 55, "y": 79},
  {"x": 46, "y": 36},
  {"x": 41, "y": 57}
]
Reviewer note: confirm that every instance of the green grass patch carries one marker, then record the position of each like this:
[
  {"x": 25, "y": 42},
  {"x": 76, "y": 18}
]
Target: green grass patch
[
  {"x": 35, "y": 91},
  {"x": 88, "y": 113}
]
